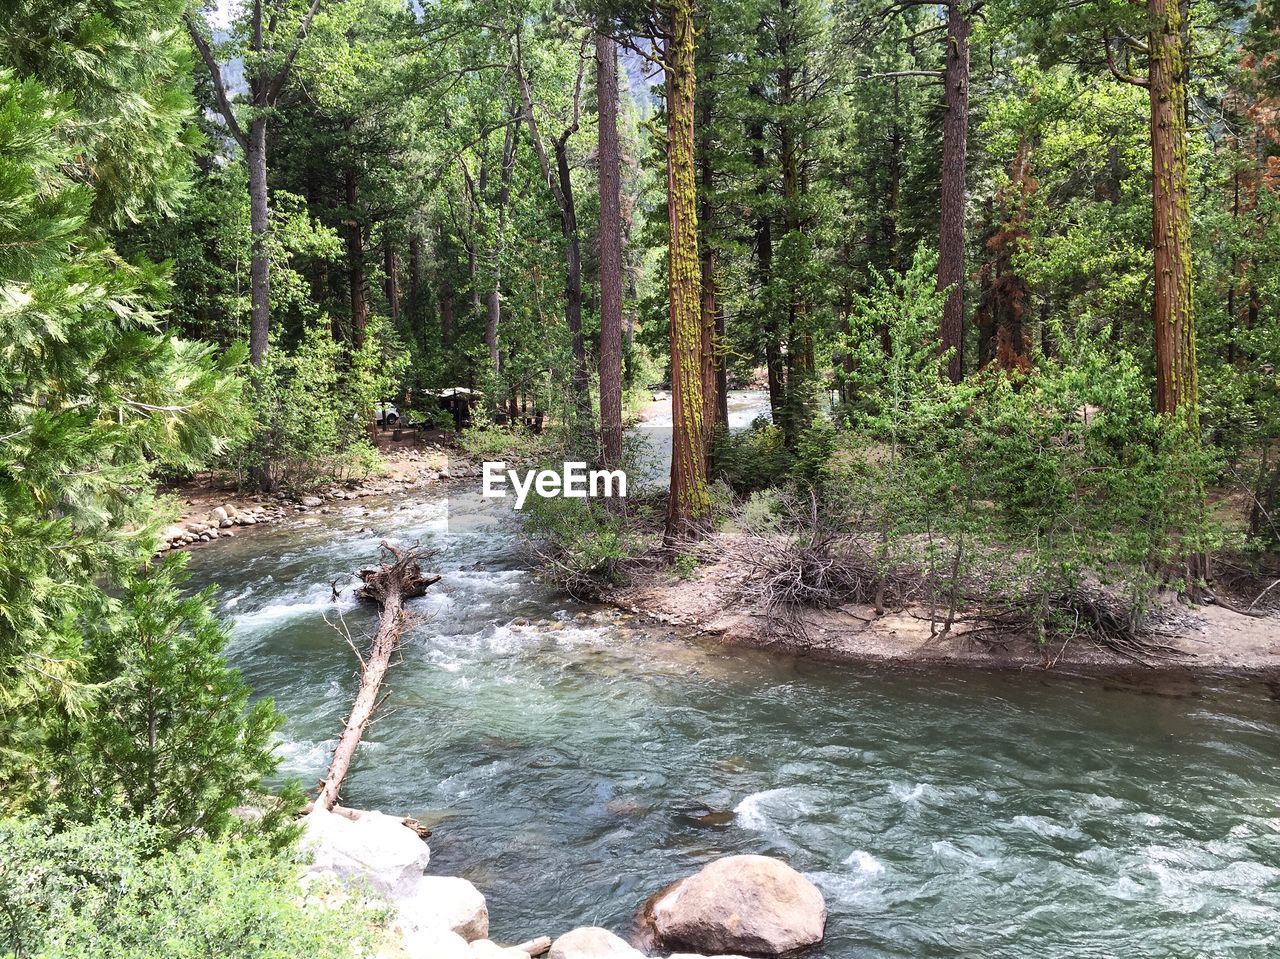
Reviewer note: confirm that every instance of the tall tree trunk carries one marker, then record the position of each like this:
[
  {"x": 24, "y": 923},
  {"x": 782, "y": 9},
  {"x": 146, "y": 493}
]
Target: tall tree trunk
[
  {"x": 1171, "y": 209},
  {"x": 688, "y": 503},
  {"x": 447, "y": 310},
  {"x": 573, "y": 285},
  {"x": 610, "y": 252},
  {"x": 763, "y": 242},
  {"x": 415, "y": 280},
  {"x": 392, "y": 281},
  {"x": 493, "y": 308},
  {"x": 259, "y": 226},
  {"x": 955, "y": 147},
  {"x": 355, "y": 266},
  {"x": 711, "y": 358},
  {"x": 561, "y": 185}
]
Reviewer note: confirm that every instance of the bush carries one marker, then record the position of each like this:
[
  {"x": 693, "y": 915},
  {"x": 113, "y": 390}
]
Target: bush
[
  {"x": 171, "y": 736},
  {"x": 112, "y": 890},
  {"x": 1027, "y": 491},
  {"x": 313, "y": 410},
  {"x": 750, "y": 460},
  {"x": 581, "y": 545}
]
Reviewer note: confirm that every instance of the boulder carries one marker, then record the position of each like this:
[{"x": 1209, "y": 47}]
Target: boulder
[
  {"x": 311, "y": 501},
  {"x": 433, "y": 943},
  {"x": 740, "y": 904},
  {"x": 375, "y": 849},
  {"x": 444, "y": 902},
  {"x": 694, "y": 955},
  {"x": 218, "y": 514},
  {"x": 488, "y": 949},
  {"x": 592, "y": 942}
]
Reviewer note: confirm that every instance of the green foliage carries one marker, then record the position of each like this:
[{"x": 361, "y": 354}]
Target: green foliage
[
  {"x": 752, "y": 459},
  {"x": 96, "y": 400},
  {"x": 313, "y": 409},
  {"x": 1038, "y": 483},
  {"x": 582, "y": 543},
  {"x": 115, "y": 890},
  {"x": 171, "y": 737}
]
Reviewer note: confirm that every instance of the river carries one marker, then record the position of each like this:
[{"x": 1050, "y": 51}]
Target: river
[{"x": 571, "y": 763}]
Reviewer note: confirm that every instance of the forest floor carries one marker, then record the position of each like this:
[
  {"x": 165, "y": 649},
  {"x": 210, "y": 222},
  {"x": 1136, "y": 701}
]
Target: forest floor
[{"x": 715, "y": 599}]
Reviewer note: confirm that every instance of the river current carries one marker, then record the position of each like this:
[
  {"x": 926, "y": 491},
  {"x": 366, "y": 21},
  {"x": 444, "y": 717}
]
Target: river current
[{"x": 571, "y": 763}]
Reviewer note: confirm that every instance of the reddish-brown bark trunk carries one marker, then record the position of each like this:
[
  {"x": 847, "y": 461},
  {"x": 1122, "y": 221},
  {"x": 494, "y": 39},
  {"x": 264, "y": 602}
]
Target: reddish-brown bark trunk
[{"x": 955, "y": 148}]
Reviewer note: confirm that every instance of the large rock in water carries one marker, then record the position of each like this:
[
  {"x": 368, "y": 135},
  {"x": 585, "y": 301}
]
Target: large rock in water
[
  {"x": 592, "y": 942},
  {"x": 376, "y": 849},
  {"x": 746, "y": 904},
  {"x": 435, "y": 902}
]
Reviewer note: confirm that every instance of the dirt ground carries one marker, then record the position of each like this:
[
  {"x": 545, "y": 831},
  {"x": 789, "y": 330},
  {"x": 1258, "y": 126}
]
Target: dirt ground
[{"x": 716, "y": 601}]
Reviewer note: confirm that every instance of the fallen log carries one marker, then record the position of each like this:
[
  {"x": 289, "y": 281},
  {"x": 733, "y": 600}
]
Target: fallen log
[
  {"x": 388, "y": 585},
  {"x": 536, "y": 947}
]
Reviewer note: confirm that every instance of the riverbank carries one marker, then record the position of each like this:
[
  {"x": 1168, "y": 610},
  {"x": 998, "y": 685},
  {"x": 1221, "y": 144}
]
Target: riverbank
[
  {"x": 212, "y": 507},
  {"x": 715, "y": 599}
]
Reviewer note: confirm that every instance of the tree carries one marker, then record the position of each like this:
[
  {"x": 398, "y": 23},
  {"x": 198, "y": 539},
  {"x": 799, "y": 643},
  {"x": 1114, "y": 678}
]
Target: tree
[
  {"x": 610, "y": 186},
  {"x": 955, "y": 149},
  {"x": 560, "y": 182},
  {"x": 97, "y": 399},
  {"x": 267, "y": 68},
  {"x": 171, "y": 738},
  {"x": 688, "y": 501}
]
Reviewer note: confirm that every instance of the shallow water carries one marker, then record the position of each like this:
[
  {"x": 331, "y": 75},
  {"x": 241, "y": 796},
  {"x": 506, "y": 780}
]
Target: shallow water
[{"x": 568, "y": 765}]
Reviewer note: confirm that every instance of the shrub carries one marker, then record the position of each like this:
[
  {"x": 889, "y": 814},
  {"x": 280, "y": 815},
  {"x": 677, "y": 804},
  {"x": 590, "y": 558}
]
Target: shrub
[
  {"x": 113, "y": 890},
  {"x": 313, "y": 409},
  {"x": 171, "y": 736}
]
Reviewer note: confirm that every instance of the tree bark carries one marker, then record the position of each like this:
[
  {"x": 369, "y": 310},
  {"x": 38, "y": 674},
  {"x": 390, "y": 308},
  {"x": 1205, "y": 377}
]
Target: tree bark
[
  {"x": 1171, "y": 209},
  {"x": 493, "y": 310},
  {"x": 763, "y": 243},
  {"x": 688, "y": 502},
  {"x": 955, "y": 146},
  {"x": 415, "y": 280},
  {"x": 392, "y": 288},
  {"x": 610, "y": 173},
  {"x": 711, "y": 358},
  {"x": 259, "y": 227},
  {"x": 561, "y": 185},
  {"x": 389, "y": 586},
  {"x": 265, "y": 90},
  {"x": 355, "y": 265}
]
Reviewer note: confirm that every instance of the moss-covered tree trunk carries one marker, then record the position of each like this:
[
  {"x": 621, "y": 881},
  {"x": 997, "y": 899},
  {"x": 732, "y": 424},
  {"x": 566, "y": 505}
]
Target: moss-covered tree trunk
[
  {"x": 689, "y": 502},
  {"x": 1173, "y": 313},
  {"x": 712, "y": 364}
]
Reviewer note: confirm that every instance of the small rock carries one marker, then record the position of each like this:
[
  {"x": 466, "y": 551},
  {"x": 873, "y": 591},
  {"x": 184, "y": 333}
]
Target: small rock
[
  {"x": 592, "y": 942},
  {"x": 310, "y": 501},
  {"x": 218, "y": 514},
  {"x": 232, "y": 512},
  {"x": 226, "y": 524},
  {"x": 248, "y": 521}
]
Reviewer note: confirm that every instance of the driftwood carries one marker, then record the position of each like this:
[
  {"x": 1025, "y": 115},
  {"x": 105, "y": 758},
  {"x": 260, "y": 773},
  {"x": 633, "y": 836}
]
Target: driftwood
[
  {"x": 536, "y": 947},
  {"x": 388, "y": 585}
]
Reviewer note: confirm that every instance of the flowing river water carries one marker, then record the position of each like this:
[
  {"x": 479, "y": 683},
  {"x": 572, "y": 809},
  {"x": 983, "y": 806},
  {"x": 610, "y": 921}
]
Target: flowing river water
[{"x": 571, "y": 763}]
